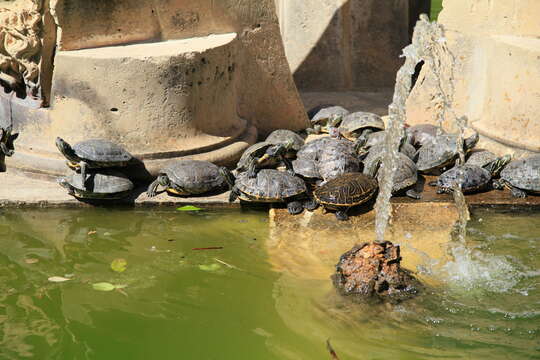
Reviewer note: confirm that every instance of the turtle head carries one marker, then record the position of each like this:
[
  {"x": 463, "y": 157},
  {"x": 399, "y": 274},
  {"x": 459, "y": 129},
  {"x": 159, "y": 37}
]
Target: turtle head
[
  {"x": 495, "y": 167},
  {"x": 63, "y": 182},
  {"x": 227, "y": 176},
  {"x": 66, "y": 150},
  {"x": 279, "y": 149},
  {"x": 335, "y": 120},
  {"x": 471, "y": 141}
]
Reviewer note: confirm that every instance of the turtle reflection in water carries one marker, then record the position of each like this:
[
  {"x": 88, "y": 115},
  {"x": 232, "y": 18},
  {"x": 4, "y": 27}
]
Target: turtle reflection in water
[{"x": 372, "y": 272}]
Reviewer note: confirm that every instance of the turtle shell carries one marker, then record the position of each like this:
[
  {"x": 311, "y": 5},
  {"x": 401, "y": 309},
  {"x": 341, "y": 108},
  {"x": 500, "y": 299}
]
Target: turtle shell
[
  {"x": 255, "y": 150},
  {"x": 284, "y": 136},
  {"x": 306, "y": 168},
  {"x": 325, "y": 114},
  {"x": 437, "y": 153},
  {"x": 480, "y": 157},
  {"x": 347, "y": 190},
  {"x": 101, "y": 150},
  {"x": 332, "y": 164},
  {"x": 471, "y": 178},
  {"x": 314, "y": 150},
  {"x": 406, "y": 173},
  {"x": 524, "y": 173},
  {"x": 269, "y": 186},
  {"x": 360, "y": 120},
  {"x": 422, "y": 134},
  {"x": 100, "y": 185},
  {"x": 194, "y": 176},
  {"x": 375, "y": 138}
]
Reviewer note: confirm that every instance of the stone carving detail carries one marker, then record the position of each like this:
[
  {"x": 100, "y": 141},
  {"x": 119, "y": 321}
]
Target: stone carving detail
[{"x": 20, "y": 49}]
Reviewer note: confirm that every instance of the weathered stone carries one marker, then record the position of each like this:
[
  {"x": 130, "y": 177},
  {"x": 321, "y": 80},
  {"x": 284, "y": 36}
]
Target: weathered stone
[
  {"x": 372, "y": 272},
  {"x": 345, "y": 44},
  {"x": 492, "y": 74}
]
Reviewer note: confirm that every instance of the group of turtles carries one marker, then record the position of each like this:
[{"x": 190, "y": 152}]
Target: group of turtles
[{"x": 338, "y": 170}]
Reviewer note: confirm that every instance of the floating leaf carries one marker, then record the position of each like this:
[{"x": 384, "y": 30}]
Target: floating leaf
[
  {"x": 103, "y": 286},
  {"x": 119, "y": 265},
  {"x": 57, "y": 279},
  {"x": 31, "y": 261},
  {"x": 92, "y": 232},
  {"x": 189, "y": 208},
  {"x": 210, "y": 267}
]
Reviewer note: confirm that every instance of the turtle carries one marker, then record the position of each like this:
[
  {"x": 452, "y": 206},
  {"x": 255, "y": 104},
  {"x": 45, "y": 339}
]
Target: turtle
[
  {"x": 470, "y": 178},
  {"x": 346, "y": 191},
  {"x": 441, "y": 152},
  {"x": 6, "y": 140},
  {"x": 333, "y": 162},
  {"x": 188, "y": 177},
  {"x": 283, "y": 136},
  {"x": 270, "y": 186},
  {"x": 375, "y": 138},
  {"x": 521, "y": 176},
  {"x": 93, "y": 153},
  {"x": 325, "y": 118},
  {"x": 405, "y": 175},
  {"x": 360, "y": 124},
  {"x": 105, "y": 184},
  {"x": 264, "y": 155},
  {"x": 422, "y": 134},
  {"x": 314, "y": 110},
  {"x": 377, "y": 151}
]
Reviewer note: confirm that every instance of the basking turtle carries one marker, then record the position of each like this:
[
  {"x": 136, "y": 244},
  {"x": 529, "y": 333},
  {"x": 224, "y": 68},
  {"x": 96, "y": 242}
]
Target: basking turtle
[
  {"x": 264, "y": 155},
  {"x": 286, "y": 137},
  {"x": 422, "y": 134},
  {"x": 314, "y": 110},
  {"x": 334, "y": 162},
  {"x": 270, "y": 186},
  {"x": 346, "y": 191},
  {"x": 105, "y": 184},
  {"x": 95, "y": 153},
  {"x": 325, "y": 118},
  {"x": 314, "y": 149},
  {"x": 405, "y": 175},
  {"x": 470, "y": 178},
  {"x": 359, "y": 125},
  {"x": 521, "y": 176},
  {"x": 441, "y": 152},
  {"x": 485, "y": 159},
  {"x": 374, "y": 139},
  {"x": 6, "y": 140},
  {"x": 378, "y": 150},
  {"x": 188, "y": 177}
]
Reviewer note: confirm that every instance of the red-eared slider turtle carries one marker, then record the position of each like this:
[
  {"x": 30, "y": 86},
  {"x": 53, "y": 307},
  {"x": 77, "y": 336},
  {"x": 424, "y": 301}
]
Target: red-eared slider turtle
[
  {"x": 288, "y": 138},
  {"x": 405, "y": 175},
  {"x": 485, "y": 159},
  {"x": 374, "y": 139},
  {"x": 327, "y": 117},
  {"x": 94, "y": 153},
  {"x": 346, "y": 191},
  {"x": 189, "y": 177},
  {"x": 470, "y": 178},
  {"x": 521, "y": 176},
  {"x": 359, "y": 125},
  {"x": 314, "y": 110},
  {"x": 422, "y": 134},
  {"x": 313, "y": 150},
  {"x": 263, "y": 155},
  {"x": 269, "y": 186},
  {"x": 333, "y": 162},
  {"x": 442, "y": 152},
  {"x": 6, "y": 140},
  {"x": 105, "y": 184}
]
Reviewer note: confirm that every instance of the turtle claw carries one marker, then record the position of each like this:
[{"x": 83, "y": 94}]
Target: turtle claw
[
  {"x": 295, "y": 207},
  {"x": 342, "y": 216},
  {"x": 413, "y": 194},
  {"x": 311, "y": 205}
]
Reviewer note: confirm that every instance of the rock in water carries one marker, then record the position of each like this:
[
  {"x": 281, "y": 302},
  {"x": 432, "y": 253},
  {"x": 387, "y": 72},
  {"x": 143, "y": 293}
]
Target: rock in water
[{"x": 372, "y": 272}]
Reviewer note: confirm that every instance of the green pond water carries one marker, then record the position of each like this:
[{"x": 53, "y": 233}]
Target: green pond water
[{"x": 174, "y": 302}]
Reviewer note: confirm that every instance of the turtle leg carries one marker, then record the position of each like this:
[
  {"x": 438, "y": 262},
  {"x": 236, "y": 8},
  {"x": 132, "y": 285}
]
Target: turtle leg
[
  {"x": 311, "y": 204},
  {"x": 497, "y": 184},
  {"x": 252, "y": 168},
  {"x": 83, "y": 165},
  {"x": 413, "y": 194},
  {"x": 444, "y": 190},
  {"x": 288, "y": 165},
  {"x": 295, "y": 207},
  {"x": 518, "y": 193},
  {"x": 432, "y": 183},
  {"x": 5, "y": 149},
  {"x": 342, "y": 215},
  {"x": 235, "y": 193},
  {"x": 162, "y": 180}
]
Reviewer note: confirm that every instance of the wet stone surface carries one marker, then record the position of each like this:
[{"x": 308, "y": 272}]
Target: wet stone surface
[{"x": 372, "y": 272}]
